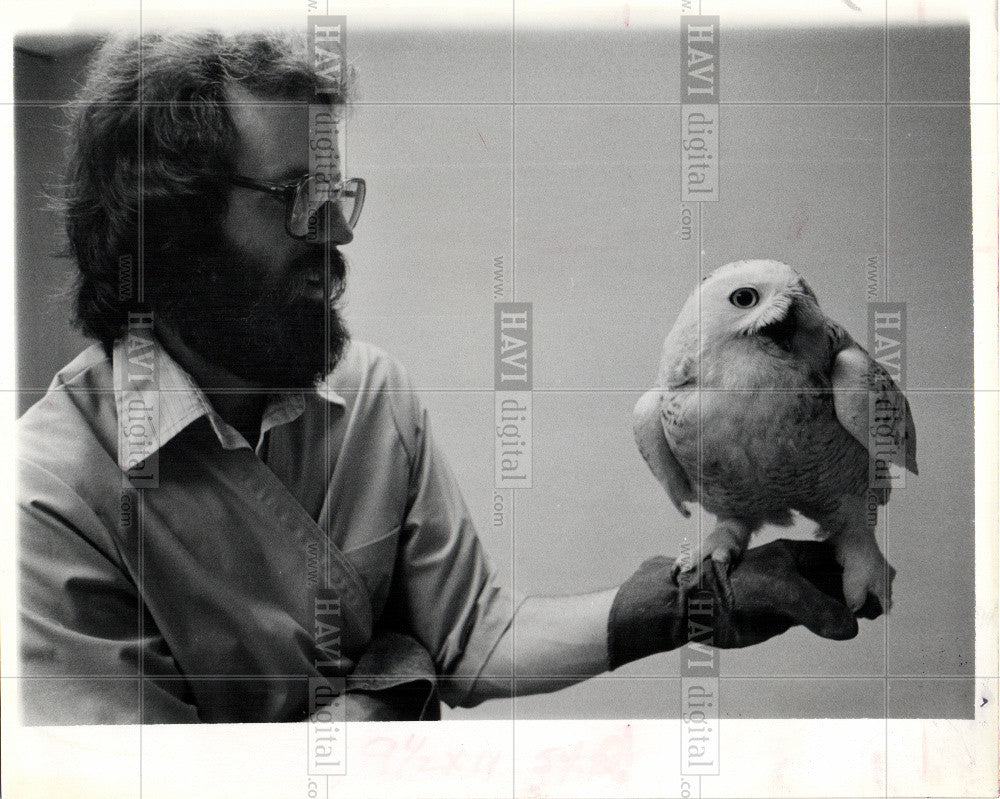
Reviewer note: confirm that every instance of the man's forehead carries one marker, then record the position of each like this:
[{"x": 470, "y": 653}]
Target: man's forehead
[{"x": 274, "y": 135}]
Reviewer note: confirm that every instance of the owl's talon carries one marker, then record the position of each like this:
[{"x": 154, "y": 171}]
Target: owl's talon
[
  {"x": 682, "y": 566},
  {"x": 689, "y": 579},
  {"x": 681, "y": 574}
]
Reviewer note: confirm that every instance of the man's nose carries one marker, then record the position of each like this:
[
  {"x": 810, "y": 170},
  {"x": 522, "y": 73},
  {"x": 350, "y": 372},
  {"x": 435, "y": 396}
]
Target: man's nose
[{"x": 328, "y": 225}]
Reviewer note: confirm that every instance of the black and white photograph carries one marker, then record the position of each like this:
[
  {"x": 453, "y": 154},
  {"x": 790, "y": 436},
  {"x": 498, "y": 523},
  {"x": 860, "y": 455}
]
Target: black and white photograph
[{"x": 501, "y": 399}]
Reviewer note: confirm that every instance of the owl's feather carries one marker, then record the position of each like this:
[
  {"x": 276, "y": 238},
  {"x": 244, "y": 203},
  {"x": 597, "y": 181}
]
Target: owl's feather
[
  {"x": 872, "y": 408},
  {"x": 656, "y": 451}
]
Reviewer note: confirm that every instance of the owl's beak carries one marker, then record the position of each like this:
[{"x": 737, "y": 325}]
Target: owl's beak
[{"x": 782, "y": 331}]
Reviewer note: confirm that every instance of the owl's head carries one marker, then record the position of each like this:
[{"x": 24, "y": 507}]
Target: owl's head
[{"x": 763, "y": 300}]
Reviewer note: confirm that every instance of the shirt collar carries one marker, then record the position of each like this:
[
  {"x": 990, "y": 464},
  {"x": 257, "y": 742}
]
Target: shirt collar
[{"x": 156, "y": 399}]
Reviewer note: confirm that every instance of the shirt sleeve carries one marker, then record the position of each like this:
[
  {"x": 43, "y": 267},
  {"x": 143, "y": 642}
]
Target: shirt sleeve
[
  {"x": 90, "y": 653},
  {"x": 445, "y": 589}
]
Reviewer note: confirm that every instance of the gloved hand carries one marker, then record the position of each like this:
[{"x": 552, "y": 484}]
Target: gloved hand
[{"x": 774, "y": 587}]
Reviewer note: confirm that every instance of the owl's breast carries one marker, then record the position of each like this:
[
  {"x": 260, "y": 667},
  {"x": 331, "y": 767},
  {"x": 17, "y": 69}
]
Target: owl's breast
[{"x": 758, "y": 453}]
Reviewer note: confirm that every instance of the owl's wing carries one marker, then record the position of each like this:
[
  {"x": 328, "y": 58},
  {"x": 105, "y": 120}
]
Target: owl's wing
[
  {"x": 656, "y": 450},
  {"x": 856, "y": 375}
]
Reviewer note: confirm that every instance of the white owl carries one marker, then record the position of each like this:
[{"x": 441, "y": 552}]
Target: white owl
[{"x": 762, "y": 407}]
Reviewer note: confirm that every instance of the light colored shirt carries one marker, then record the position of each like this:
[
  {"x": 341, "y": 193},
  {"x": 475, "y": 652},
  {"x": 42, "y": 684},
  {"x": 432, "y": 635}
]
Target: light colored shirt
[{"x": 247, "y": 571}]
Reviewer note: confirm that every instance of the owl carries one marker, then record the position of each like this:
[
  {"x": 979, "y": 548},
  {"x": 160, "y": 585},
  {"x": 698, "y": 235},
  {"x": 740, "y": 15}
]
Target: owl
[{"x": 764, "y": 406}]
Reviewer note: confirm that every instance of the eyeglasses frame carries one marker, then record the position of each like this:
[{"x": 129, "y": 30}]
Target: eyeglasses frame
[{"x": 287, "y": 192}]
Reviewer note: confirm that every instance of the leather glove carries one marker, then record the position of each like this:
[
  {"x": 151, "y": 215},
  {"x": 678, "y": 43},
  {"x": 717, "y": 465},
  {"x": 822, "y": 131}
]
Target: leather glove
[{"x": 774, "y": 587}]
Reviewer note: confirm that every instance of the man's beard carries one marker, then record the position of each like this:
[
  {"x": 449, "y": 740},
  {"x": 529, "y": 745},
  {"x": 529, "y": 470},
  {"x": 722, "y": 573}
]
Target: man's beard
[{"x": 228, "y": 310}]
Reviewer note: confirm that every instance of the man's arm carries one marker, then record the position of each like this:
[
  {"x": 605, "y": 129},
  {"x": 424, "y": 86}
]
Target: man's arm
[
  {"x": 553, "y": 642},
  {"x": 90, "y": 654},
  {"x": 558, "y": 641},
  {"x": 446, "y": 595}
]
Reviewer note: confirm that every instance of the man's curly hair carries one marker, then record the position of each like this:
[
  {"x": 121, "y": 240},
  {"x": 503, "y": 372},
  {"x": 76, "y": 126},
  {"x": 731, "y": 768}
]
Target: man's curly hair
[{"x": 152, "y": 138}]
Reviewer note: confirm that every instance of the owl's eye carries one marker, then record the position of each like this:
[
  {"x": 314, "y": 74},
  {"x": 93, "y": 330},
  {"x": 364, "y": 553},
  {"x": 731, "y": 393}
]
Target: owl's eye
[{"x": 745, "y": 297}]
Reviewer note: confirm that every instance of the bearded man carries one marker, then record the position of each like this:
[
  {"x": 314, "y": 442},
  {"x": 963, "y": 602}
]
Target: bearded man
[{"x": 231, "y": 512}]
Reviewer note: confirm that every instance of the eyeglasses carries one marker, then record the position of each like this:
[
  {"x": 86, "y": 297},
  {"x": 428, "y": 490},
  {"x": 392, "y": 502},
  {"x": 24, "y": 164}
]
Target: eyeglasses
[{"x": 306, "y": 201}]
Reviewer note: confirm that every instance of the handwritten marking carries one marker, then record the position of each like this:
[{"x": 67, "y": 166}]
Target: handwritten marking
[
  {"x": 609, "y": 758},
  {"x": 482, "y": 139},
  {"x": 799, "y": 222}
]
